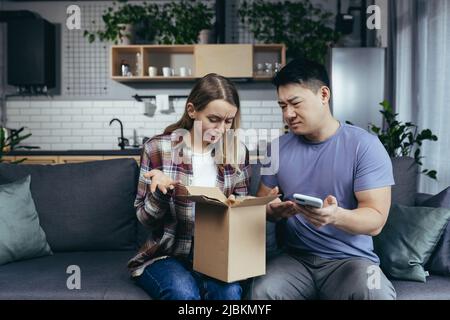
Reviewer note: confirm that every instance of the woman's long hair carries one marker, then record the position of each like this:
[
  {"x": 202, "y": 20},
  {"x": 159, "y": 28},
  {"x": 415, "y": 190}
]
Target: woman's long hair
[{"x": 209, "y": 88}]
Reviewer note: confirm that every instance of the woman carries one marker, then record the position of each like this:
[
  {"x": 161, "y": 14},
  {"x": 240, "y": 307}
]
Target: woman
[{"x": 189, "y": 152}]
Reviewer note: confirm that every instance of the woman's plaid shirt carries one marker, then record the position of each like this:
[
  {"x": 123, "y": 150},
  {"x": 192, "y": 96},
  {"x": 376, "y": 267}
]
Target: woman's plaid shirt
[{"x": 171, "y": 218}]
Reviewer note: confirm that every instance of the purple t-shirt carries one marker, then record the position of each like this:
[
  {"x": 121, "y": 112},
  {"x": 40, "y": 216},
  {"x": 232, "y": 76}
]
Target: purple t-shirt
[{"x": 351, "y": 160}]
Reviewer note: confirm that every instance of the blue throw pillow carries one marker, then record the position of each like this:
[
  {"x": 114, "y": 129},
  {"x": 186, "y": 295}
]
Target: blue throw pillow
[
  {"x": 439, "y": 262},
  {"x": 21, "y": 236},
  {"x": 408, "y": 239},
  {"x": 441, "y": 200}
]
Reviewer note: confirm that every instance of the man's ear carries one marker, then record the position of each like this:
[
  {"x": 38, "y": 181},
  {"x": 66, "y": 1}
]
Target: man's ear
[
  {"x": 325, "y": 94},
  {"x": 190, "y": 110}
]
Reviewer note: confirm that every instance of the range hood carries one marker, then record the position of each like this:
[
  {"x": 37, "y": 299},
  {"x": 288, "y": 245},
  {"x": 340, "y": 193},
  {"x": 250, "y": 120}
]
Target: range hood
[{"x": 30, "y": 51}]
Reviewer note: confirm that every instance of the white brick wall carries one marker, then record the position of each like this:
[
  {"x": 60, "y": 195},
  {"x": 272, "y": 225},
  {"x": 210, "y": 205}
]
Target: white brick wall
[{"x": 61, "y": 125}]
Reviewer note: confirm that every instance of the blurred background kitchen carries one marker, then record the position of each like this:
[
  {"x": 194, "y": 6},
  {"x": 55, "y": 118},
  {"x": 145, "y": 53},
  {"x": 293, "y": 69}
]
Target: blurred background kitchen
[
  {"x": 72, "y": 106},
  {"x": 86, "y": 75}
]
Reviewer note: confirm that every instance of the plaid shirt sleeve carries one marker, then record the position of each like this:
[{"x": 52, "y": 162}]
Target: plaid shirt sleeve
[
  {"x": 150, "y": 207},
  {"x": 241, "y": 187}
]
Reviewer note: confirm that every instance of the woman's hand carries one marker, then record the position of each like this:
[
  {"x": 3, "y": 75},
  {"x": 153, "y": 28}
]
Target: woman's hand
[
  {"x": 160, "y": 181},
  {"x": 231, "y": 199},
  {"x": 277, "y": 209}
]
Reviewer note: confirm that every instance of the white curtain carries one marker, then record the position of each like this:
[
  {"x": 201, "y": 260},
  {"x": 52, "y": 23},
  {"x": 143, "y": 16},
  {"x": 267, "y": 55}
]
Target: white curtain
[{"x": 422, "y": 81}]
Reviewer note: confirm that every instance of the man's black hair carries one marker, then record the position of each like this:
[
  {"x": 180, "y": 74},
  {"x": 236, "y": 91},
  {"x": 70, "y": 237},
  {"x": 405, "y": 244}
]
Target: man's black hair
[{"x": 305, "y": 72}]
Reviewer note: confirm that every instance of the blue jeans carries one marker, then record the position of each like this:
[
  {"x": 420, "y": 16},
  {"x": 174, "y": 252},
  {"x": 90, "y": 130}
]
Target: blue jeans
[{"x": 173, "y": 279}]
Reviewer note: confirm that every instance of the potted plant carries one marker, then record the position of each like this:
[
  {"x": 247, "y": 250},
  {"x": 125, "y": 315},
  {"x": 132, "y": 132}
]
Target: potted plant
[
  {"x": 122, "y": 23},
  {"x": 8, "y": 143},
  {"x": 303, "y": 28},
  {"x": 402, "y": 139},
  {"x": 177, "y": 22},
  {"x": 402, "y": 142},
  {"x": 185, "y": 21}
]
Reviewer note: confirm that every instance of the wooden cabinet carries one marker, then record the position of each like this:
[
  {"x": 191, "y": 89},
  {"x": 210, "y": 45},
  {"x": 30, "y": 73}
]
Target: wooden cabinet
[
  {"x": 62, "y": 159},
  {"x": 78, "y": 159},
  {"x": 137, "y": 158},
  {"x": 8, "y": 159},
  {"x": 233, "y": 60},
  {"x": 38, "y": 159},
  {"x": 230, "y": 60},
  {"x": 128, "y": 55},
  {"x": 267, "y": 53}
]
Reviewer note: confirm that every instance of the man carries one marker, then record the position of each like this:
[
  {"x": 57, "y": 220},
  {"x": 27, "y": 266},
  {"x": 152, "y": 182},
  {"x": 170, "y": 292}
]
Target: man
[{"x": 329, "y": 251}]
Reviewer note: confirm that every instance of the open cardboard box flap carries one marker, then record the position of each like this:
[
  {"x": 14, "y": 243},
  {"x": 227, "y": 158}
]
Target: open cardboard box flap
[
  {"x": 229, "y": 235},
  {"x": 213, "y": 195}
]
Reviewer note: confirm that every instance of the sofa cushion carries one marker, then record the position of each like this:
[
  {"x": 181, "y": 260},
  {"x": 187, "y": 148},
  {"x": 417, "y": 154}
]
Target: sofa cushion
[
  {"x": 21, "y": 236},
  {"x": 439, "y": 262},
  {"x": 436, "y": 288},
  {"x": 442, "y": 199},
  {"x": 406, "y": 178},
  {"x": 104, "y": 275},
  {"x": 83, "y": 206},
  {"x": 408, "y": 240},
  {"x": 421, "y": 198}
]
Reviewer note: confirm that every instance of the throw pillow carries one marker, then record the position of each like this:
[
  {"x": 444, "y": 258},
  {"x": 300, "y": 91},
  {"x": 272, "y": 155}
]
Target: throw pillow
[
  {"x": 21, "y": 236},
  {"x": 408, "y": 240},
  {"x": 441, "y": 200},
  {"x": 83, "y": 206},
  {"x": 405, "y": 176},
  {"x": 439, "y": 262}
]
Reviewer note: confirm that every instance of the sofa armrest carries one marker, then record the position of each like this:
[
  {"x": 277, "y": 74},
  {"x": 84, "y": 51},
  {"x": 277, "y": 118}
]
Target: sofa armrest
[{"x": 421, "y": 198}]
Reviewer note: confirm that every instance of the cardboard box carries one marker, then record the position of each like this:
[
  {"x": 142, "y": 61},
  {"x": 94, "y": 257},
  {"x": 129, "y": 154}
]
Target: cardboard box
[{"x": 230, "y": 238}]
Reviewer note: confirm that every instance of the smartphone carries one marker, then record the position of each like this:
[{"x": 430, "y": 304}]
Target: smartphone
[{"x": 305, "y": 200}]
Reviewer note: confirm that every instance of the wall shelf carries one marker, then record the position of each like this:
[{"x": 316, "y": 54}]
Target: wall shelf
[
  {"x": 238, "y": 61},
  {"x": 149, "y": 79}
]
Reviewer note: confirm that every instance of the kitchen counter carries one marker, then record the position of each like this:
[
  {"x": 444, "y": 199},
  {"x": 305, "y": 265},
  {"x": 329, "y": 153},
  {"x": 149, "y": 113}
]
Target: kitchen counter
[
  {"x": 38, "y": 152},
  {"x": 67, "y": 156}
]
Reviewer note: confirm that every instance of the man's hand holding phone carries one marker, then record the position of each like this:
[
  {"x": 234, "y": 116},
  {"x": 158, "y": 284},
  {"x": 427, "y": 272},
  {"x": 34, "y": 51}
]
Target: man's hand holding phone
[
  {"x": 320, "y": 217},
  {"x": 309, "y": 201}
]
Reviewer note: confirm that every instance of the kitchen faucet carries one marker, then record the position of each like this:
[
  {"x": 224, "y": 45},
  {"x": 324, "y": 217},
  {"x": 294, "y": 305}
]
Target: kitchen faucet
[{"x": 122, "y": 141}]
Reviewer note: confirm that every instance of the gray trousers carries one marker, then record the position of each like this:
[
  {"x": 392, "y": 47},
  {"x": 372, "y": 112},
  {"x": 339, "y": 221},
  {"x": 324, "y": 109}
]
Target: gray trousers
[{"x": 293, "y": 276}]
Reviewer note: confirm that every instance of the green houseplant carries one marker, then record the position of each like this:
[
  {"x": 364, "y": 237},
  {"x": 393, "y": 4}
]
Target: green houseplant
[
  {"x": 304, "y": 28},
  {"x": 8, "y": 143},
  {"x": 402, "y": 139},
  {"x": 142, "y": 18},
  {"x": 183, "y": 21},
  {"x": 176, "y": 22}
]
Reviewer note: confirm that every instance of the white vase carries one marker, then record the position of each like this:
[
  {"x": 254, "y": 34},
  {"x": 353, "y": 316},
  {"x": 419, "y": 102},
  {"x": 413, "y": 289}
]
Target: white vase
[
  {"x": 205, "y": 36},
  {"x": 127, "y": 34}
]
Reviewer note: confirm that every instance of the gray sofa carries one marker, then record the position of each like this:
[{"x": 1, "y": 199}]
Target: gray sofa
[{"x": 86, "y": 211}]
